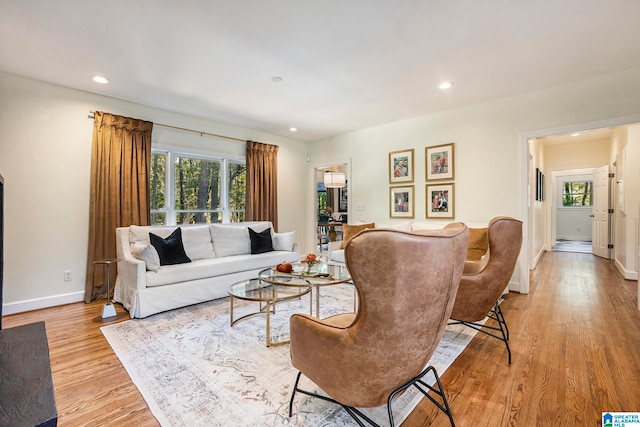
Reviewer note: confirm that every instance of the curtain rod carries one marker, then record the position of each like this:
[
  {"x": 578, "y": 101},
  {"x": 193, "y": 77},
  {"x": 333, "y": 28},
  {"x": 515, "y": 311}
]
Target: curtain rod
[{"x": 92, "y": 115}]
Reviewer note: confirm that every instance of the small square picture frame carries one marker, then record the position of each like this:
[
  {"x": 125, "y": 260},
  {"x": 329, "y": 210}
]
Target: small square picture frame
[
  {"x": 401, "y": 201},
  {"x": 401, "y": 166},
  {"x": 439, "y": 162},
  {"x": 440, "y": 201}
]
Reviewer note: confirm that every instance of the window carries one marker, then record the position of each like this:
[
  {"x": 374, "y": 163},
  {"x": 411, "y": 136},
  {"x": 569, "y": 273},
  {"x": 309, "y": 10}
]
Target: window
[
  {"x": 577, "y": 193},
  {"x": 196, "y": 189}
]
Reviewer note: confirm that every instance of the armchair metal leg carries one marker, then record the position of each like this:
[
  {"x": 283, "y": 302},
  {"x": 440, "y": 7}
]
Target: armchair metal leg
[
  {"x": 495, "y": 314},
  {"x": 417, "y": 382}
]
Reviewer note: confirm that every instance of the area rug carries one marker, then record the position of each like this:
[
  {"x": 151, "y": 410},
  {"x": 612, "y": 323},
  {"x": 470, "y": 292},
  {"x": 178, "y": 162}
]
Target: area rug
[{"x": 194, "y": 369}]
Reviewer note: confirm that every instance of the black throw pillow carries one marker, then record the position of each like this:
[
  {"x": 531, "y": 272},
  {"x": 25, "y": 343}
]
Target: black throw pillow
[
  {"x": 261, "y": 242},
  {"x": 170, "y": 250}
]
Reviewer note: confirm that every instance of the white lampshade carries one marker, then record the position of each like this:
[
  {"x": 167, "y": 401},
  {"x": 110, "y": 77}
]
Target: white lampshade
[{"x": 335, "y": 180}]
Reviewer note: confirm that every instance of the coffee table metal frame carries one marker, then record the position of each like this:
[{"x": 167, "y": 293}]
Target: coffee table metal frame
[
  {"x": 323, "y": 275},
  {"x": 268, "y": 294}
]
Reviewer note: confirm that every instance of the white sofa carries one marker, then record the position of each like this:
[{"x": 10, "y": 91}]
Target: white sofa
[
  {"x": 336, "y": 253},
  {"x": 220, "y": 255}
]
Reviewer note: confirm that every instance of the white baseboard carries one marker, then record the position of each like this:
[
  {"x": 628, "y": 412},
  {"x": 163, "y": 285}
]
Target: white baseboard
[
  {"x": 512, "y": 286},
  {"x": 627, "y": 274},
  {"x": 35, "y": 304},
  {"x": 536, "y": 259}
]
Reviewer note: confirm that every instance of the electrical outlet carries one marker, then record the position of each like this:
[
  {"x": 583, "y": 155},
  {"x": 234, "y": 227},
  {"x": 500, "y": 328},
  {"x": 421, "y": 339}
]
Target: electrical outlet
[{"x": 67, "y": 275}]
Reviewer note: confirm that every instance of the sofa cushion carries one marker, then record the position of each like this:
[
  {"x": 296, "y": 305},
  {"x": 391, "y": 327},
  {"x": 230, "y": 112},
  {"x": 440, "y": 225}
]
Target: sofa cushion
[
  {"x": 284, "y": 241},
  {"x": 230, "y": 240},
  {"x": 197, "y": 242},
  {"x": 148, "y": 254},
  {"x": 140, "y": 233},
  {"x": 234, "y": 239},
  {"x": 402, "y": 226},
  {"x": 213, "y": 267},
  {"x": 170, "y": 250},
  {"x": 337, "y": 255},
  {"x": 349, "y": 230},
  {"x": 417, "y": 226},
  {"x": 260, "y": 241}
]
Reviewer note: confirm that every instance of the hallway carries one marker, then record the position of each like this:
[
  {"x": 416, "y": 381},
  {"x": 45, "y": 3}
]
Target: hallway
[{"x": 572, "y": 246}]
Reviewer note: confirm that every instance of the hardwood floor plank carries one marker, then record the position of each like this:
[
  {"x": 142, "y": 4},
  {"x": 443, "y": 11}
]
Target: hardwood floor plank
[{"x": 575, "y": 341}]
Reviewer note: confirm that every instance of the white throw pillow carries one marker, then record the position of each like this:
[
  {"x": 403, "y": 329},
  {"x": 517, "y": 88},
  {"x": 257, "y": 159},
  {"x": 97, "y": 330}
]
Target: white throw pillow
[
  {"x": 197, "y": 242},
  {"x": 283, "y": 241},
  {"x": 230, "y": 240},
  {"x": 148, "y": 254}
]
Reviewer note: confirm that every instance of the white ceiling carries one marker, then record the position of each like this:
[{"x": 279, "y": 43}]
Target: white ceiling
[
  {"x": 592, "y": 135},
  {"x": 345, "y": 64}
]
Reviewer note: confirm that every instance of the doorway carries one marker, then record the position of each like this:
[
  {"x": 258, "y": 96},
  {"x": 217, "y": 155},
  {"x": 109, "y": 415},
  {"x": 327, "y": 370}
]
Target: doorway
[
  {"x": 331, "y": 203},
  {"x": 571, "y": 210}
]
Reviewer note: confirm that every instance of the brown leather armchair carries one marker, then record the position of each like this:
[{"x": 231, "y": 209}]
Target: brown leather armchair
[
  {"x": 484, "y": 280},
  {"x": 406, "y": 286}
]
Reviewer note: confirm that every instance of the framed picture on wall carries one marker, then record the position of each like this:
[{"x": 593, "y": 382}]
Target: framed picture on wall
[
  {"x": 401, "y": 202},
  {"x": 401, "y": 166},
  {"x": 440, "y": 201},
  {"x": 439, "y": 162}
]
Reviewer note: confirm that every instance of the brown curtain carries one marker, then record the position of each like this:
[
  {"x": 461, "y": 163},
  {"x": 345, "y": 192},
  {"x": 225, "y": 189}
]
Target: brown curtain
[
  {"x": 261, "y": 203},
  {"x": 120, "y": 161}
]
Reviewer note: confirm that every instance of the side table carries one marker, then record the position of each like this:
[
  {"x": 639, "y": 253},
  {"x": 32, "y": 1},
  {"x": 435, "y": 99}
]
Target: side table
[
  {"x": 268, "y": 294},
  {"x": 108, "y": 310}
]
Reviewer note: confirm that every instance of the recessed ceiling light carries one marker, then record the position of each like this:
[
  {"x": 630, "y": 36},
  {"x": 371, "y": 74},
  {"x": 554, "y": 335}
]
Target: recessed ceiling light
[
  {"x": 445, "y": 85},
  {"x": 293, "y": 129},
  {"x": 100, "y": 79},
  {"x": 276, "y": 79},
  {"x": 575, "y": 134}
]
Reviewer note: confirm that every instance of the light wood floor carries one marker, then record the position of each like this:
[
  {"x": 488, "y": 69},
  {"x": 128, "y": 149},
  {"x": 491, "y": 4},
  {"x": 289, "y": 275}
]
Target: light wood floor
[{"x": 575, "y": 341}]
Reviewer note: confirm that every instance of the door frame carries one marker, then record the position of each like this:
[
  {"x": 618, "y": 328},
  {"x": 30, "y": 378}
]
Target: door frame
[
  {"x": 524, "y": 263},
  {"x": 312, "y": 204},
  {"x": 553, "y": 208}
]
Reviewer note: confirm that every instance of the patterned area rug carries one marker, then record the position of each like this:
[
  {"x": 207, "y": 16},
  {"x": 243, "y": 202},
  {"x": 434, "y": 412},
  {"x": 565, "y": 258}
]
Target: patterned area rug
[{"x": 193, "y": 369}]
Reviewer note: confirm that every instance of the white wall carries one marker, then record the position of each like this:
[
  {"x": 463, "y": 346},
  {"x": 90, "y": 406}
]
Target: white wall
[
  {"x": 489, "y": 151},
  {"x": 537, "y": 219},
  {"x": 626, "y": 154},
  {"x": 45, "y": 156}
]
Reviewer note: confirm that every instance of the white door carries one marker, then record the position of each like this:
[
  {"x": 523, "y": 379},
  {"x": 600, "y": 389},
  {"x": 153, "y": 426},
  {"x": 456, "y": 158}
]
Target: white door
[{"x": 600, "y": 212}]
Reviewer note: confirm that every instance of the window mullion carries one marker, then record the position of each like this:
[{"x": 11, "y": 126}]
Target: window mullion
[{"x": 171, "y": 189}]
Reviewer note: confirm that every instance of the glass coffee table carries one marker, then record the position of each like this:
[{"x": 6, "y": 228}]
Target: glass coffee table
[
  {"x": 321, "y": 275},
  {"x": 267, "y": 295}
]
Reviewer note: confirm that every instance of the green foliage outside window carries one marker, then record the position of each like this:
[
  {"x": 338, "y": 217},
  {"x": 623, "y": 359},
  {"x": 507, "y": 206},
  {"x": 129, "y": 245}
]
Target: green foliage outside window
[
  {"x": 322, "y": 202},
  {"x": 237, "y": 190},
  {"x": 158, "y": 176},
  {"x": 197, "y": 190},
  {"x": 577, "y": 193}
]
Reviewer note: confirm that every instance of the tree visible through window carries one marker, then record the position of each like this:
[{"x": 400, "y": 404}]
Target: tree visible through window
[
  {"x": 202, "y": 189},
  {"x": 577, "y": 193}
]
